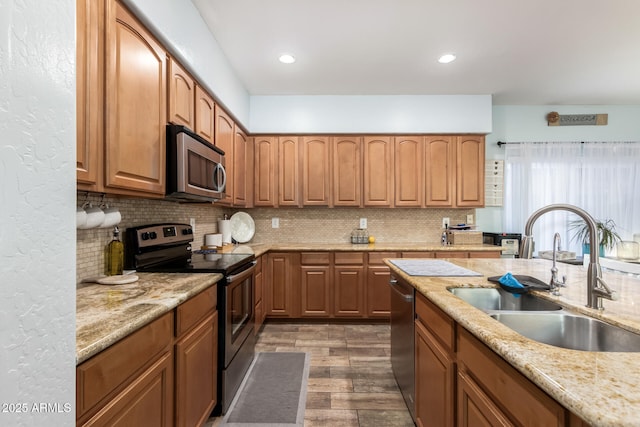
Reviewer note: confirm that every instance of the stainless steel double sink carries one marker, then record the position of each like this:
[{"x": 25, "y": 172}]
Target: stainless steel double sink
[{"x": 547, "y": 322}]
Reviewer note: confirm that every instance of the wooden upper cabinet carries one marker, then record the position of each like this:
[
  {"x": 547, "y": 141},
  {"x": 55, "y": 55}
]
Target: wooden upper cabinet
[
  {"x": 409, "y": 166},
  {"x": 378, "y": 171},
  {"x": 182, "y": 93},
  {"x": 347, "y": 171},
  {"x": 316, "y": 170},
  {"x": 242, "y": 170},
  {"x": 89, "y": 94},
  {"x": 470, "y": 171},
  {"x": 288, "y": 171},
  {"x": 204, "y": 114},
  {"x": 136, "y": 119},
  {"x": 265, "y": 152},
  {"x": 440, "y": 167},
  {"x": 224, "y": 137}
]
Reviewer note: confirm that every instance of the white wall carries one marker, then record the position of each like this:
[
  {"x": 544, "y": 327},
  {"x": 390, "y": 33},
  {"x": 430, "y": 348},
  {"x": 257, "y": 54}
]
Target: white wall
[
  {"x": 371, "y": 114},
  {"x": 179, "y": 26},
  {"x": 37, "y": 200},
  {"x": 512, "y": 123}
]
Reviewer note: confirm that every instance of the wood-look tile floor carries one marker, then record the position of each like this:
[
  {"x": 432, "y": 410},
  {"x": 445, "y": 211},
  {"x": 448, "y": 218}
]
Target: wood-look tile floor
[{"x": 350, "y": 379}]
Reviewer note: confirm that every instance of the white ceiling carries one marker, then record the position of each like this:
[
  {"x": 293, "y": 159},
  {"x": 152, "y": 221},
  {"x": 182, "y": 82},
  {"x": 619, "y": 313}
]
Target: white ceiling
[{"x": 531, "y": 52}]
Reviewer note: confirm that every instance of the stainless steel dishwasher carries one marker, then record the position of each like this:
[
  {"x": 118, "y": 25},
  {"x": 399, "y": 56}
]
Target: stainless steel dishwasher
[{"x": 403, "y": 339}]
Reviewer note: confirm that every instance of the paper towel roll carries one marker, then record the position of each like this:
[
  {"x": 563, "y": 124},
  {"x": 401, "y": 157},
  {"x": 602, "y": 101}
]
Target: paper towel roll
[
  {"x": 213, "y": 239},
  {"x": 224, "y": 228}
]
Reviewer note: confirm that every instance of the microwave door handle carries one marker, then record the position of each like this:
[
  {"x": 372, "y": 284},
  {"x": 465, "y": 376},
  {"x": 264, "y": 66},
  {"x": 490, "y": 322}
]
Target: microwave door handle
[{"x": 219, "y": 167}]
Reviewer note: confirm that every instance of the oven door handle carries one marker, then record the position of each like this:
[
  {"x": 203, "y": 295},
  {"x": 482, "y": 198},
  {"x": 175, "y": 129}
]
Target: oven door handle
[{"x": 243, "y": 273}]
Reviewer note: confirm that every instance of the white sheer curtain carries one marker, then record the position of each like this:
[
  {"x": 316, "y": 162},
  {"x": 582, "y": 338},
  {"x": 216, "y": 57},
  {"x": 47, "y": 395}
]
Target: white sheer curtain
[{"x": 601, "y": 178}]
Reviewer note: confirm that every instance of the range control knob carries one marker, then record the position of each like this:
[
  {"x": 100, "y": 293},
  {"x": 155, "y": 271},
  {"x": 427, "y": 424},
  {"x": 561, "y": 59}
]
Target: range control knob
[
  {"x": 187, "y": 231},
  {"x": 153, "y": 235},
  {"x": 145, "y": 235}
]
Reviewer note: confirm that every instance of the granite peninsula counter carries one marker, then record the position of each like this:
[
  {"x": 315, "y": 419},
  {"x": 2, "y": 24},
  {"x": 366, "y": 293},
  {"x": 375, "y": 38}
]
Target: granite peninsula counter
[
  {"x": 603, "y": 388},
  {"x": 107, "y": 313}
]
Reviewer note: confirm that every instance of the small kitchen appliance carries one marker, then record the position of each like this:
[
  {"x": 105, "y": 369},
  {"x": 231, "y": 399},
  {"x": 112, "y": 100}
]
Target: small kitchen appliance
[
  {"x": 510, "y": 242},
  {"x": 167, "y": 248}
]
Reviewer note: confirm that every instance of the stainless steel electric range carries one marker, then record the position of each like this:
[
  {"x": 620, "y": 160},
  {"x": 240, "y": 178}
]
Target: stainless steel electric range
[{"x": 167, "y": 248}]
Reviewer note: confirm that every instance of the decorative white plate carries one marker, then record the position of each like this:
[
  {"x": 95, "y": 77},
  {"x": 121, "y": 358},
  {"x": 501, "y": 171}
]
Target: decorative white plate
[
  {"x": 242, "y": 227},
  {"x": 120, "y": 279}
]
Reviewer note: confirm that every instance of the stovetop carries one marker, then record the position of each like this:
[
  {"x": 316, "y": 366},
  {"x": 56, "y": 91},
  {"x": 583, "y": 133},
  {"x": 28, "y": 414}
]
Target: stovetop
[{"x": 167, "y": 248}]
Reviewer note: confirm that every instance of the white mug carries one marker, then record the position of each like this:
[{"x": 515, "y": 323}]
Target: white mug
[
  {"x": 95, "y": 216},
  {"x": 81, "y": 218},
  {"x": 112, "y": 217}
]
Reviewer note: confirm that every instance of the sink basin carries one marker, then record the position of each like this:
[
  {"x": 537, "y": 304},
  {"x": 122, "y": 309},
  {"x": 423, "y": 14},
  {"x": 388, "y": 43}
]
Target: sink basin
[
  {"x": 571, "y": 331},
  {"x": 498, "y": 299}
]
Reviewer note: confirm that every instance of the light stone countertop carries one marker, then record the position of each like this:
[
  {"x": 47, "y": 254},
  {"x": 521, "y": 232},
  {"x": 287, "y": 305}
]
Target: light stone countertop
[
  {"x": 107, "y": 313},
  {"x": 260, "y": 248},
  {"x": 603, "y": 388}
]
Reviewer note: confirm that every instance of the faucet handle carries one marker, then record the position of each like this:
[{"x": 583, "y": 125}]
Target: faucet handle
[
  {"x": 614, "y": 296},
  {"x": 564, "y": 281}
]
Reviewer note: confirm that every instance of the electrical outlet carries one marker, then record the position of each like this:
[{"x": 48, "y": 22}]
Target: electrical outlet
[
  {"x": 192, "y": 223},
  {"x": 445, "y": 222},
  {"x": 275, "y": 222},
  {"x": 470, "y": 219},
  {"x": 363, "y": 222}
]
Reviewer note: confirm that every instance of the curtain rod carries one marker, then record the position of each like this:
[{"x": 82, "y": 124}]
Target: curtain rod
[{"x": 501, "y": 143}]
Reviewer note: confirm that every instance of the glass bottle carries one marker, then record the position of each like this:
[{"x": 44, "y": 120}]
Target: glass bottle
[{"x": 115, "y": 254}]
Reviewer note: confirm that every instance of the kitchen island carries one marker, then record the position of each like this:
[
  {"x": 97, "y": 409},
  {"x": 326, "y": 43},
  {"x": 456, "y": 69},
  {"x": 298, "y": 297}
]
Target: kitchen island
[{"x": 602, "y": 388}]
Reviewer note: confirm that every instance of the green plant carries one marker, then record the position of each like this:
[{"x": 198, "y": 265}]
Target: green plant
[{"x": 607, "y": 234}]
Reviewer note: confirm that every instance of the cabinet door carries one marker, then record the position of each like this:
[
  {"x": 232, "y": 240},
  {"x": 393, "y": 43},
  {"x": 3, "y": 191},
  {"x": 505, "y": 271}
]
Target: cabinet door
[
  {"x": 242, "y": 170},
  {"x": 378, "y": 296},
  {"x": 315, "y": 288},
  {"x": 196, "y": 373},
  {"x": 224, "y": 136},
  {"x": 136, "y": 106},
  {"x": 265, "y": 151},
  {"x": 204, "y": 114},
  {"x": 279, "y": 288},
  {"x": 182, "y": 93},
  {"x": 348, "y": 291},
  {"x": 470, "y": 171},
  {"x": 475, "y": 409},
  {"x": 378, "y": 171},
  {"x": 409, "y": 173},
  {"x": 440, "y": 167},
  {"x": 89, "y": 93},
  {"x": 435, "y": 377},
  {"x": 316, "y": 171},
  {"x": 347, "y": 171},
  {"x": 288, "y": 172},
  {"x": 258, "y": 286},
  {"x": 147, "y": 401}
]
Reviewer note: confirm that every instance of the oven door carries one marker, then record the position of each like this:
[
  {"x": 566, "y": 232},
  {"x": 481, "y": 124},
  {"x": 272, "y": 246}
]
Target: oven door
[{"x": 238, "y": 300}]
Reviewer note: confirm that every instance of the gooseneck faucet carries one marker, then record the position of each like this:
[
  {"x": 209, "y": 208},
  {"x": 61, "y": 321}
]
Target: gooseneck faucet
[{"x": 596, "y": 286}]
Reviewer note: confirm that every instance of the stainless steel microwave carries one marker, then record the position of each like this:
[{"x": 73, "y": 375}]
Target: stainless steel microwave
[{"x": 195, "y": 168}]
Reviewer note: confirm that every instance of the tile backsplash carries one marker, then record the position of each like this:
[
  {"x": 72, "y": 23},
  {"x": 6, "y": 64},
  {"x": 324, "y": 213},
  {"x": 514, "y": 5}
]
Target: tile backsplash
[{"x": 309, "y": 224}]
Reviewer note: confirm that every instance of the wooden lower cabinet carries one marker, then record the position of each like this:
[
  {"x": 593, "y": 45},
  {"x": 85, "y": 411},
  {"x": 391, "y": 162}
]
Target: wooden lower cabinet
[
  {"x": 315, "y": 284},
  {"x": 258, "y": 292},
  {"x": 378, "y": 302},
  {"x": 196, "y": 374},
  {"x": 147, "y": 401},
  {"x": 460, "y": 381},
  {"x": 163, "y": 374},
  {"x": 281, "y": 289}
]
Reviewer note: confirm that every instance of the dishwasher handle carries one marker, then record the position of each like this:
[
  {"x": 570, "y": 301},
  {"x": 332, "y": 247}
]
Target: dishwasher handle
[{"x": 396, "y": 288}]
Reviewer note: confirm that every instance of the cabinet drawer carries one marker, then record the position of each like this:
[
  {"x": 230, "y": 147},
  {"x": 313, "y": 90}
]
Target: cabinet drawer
[
  {"x": 418, "y": 254},
  {"x": 506, "y": 386},
  {"x": 351, "y": 258},
  {"x": 375, "y": 258},
  {"x": 190, "y": 312},
  {"x": 113, "y": 368},
  {"x": 315, "y": 258},
  {"x": 436, "y": 321}
]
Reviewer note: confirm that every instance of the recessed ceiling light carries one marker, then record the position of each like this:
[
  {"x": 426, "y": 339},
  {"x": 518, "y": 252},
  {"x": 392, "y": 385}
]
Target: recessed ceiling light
[
  {"x": 286, "y": 58},
  {"x": 446, "y": 58}
]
